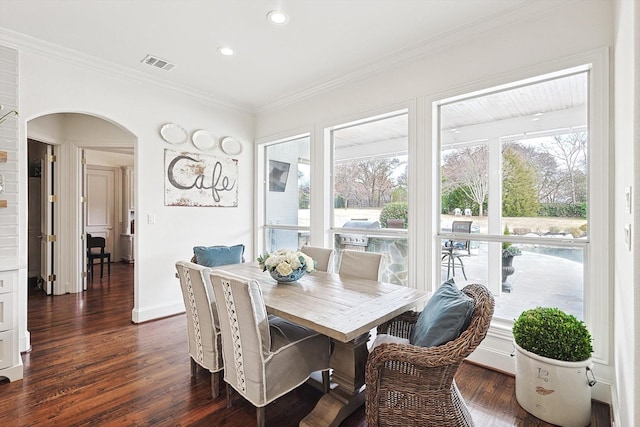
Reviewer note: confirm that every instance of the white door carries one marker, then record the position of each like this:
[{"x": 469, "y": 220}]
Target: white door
[
  {"x": 47, "y": 232},
  {"x": 100, "y": 193}
]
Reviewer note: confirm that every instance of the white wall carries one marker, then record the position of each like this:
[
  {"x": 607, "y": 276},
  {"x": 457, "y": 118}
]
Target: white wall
[
  {"x": 103, "y": 158},
  {"x": 48, "y": 85},
  {"x": 502, "y": 55},
  {"x": 627, "y": 160}
]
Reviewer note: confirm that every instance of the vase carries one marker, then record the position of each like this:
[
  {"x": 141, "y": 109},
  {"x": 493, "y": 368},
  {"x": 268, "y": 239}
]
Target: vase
[
  {"x": 295, "y": 275},
  {"x": 555, "y": 391},
  {"x": 507, "y": 270}
]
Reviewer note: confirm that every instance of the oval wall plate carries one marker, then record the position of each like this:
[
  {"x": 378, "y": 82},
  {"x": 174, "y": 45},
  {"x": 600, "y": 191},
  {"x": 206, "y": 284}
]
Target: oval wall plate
[
  {"x": 173, "y": 133},
  {"x": 204, "y": 140},
  {"x": 230, "y": 146}
]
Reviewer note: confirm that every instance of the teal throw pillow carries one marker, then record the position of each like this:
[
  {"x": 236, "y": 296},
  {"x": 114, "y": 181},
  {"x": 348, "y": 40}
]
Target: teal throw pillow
[
  {"x": 215, "y": 256},
  {"x": 445, "y": 317}
]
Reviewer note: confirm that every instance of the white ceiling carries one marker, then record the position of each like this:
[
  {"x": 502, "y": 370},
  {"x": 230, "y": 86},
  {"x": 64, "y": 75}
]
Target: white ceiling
[{"x": 324, "y": 41}]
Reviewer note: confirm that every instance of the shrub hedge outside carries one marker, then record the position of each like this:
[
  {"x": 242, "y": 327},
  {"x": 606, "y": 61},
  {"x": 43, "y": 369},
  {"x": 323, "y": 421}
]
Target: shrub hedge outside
[{"x": 398, "y": 210}]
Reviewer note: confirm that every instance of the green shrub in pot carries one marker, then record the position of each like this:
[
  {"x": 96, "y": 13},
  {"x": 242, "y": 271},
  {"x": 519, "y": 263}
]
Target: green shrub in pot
[{"x": 552, "y": 333}]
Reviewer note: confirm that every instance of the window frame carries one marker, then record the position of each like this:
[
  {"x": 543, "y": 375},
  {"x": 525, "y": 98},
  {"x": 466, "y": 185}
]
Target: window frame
[
  {"x": 262, "y": 186},
  {"x": 597, "y": 290}
]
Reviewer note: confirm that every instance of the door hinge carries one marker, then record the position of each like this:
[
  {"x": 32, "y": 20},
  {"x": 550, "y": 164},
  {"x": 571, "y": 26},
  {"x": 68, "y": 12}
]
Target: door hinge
[
  {"x": 51, "y": 158},
  {"x": 51, "y": 278},
  {"x": 53, "y": 198},
  {"x": 84, "y": 274},
  {"x": 83, "y": 161},
  {"x": 83, "y": 199},
  {"x": 52, "y": 238}
]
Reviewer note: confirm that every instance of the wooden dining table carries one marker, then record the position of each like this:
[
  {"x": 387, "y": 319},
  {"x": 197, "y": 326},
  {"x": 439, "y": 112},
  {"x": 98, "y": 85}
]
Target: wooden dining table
[{"x": 345, "y": 309}]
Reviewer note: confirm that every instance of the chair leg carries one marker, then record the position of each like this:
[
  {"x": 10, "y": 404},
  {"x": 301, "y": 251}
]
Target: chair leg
[
  {"x": 229, "y": 391},
  {"x": 101, "y": 266},
  {"x": 462, "y": 268},
  {"x": 109, "y": 265},
  {"x": 215, "y": 384},
  {"x": 194, "y": 367},
  {"x": 260, "y": 417},
  {"x": 326, "y": 381}
]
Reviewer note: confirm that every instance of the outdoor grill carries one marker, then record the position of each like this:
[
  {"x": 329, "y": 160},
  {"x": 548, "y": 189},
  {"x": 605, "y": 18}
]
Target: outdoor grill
[{"x": 357, "y": 241}]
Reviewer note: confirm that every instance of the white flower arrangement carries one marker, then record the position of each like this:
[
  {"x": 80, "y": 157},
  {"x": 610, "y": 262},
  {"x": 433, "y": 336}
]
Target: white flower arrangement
[{"x": 286, "y": 261}]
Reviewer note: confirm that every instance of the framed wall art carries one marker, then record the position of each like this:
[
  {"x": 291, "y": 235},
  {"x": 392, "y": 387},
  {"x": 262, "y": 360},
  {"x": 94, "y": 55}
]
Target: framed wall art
[{"x": 194, "y": 179}]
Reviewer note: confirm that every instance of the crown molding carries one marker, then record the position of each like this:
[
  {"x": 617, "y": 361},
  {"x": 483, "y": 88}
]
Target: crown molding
[
  {"x": 23, "y": 42},
  {"x": 522, "y": 11}
]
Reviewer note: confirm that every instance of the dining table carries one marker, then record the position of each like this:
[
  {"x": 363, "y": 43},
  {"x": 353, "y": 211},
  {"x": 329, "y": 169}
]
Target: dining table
[{"x": 344, "y": 308}]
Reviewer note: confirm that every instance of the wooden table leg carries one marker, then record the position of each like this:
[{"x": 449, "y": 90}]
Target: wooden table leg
[{"x": 348, "y": 361}]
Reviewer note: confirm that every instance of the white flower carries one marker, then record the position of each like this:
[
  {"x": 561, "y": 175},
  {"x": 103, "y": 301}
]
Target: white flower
[
  {"x": 286, "y": 261},
  {"x": 309, "y": 263},
  {"x": 284, "y": 269}
]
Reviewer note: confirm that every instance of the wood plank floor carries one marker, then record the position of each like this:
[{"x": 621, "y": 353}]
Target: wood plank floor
[{"x": 89, "y": 365}]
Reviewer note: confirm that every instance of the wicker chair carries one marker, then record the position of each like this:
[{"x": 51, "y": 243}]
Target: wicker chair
[{"x": 411, "y": 385}]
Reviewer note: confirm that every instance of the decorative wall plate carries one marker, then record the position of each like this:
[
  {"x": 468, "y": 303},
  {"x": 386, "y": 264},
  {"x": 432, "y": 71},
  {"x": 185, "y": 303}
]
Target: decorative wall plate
[
  {"x": 174, "y": 134},
  {"x": 204, "y": 140},
  {"x": 230, "y": 146}
]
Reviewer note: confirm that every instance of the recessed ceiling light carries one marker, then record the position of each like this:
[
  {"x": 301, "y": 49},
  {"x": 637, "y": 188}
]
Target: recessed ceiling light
[
  {"x": 277, "y": 17},
  {"x": 226, "y": 51}
]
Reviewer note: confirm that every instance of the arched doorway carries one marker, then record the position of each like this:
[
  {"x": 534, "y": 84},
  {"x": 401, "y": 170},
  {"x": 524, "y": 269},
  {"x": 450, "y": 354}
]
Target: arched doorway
[{"x": 110, "y": 146}]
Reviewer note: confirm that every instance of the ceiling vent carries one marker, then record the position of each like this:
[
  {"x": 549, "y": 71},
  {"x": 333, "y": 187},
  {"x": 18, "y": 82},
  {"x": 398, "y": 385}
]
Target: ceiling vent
[{"x": 158, "y": 63}]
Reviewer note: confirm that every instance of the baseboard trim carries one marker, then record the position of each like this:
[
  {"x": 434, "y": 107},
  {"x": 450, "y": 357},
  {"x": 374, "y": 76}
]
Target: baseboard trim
[{"x": 155, "y": 312}]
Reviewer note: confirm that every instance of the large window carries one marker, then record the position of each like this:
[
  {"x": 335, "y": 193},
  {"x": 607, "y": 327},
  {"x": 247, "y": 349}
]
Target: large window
[
  {"x": 370, "y": 190},
  {"x": 287, "y": 194},
  {"x": 514, "y": 163}
]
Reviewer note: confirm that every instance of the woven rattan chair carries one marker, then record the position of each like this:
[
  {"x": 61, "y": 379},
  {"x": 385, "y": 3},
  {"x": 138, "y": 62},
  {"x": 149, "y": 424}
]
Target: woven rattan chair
[{"x": 409, "y": 385}]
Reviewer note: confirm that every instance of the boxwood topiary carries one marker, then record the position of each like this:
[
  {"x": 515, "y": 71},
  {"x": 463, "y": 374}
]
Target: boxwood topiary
[{"x": 552, "y": 333}]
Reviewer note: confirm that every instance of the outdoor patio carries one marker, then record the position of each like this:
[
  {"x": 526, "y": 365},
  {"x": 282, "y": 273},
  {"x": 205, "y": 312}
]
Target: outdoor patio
[{"x": 538, "y": 280}]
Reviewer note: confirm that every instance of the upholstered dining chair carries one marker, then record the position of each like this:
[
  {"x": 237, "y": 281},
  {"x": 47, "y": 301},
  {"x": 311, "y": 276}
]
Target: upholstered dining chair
[
  {"x": 412, "y": 385},
  {"x": 365, "y": 265},
  {"x": 96, "y": 250},
  {"x": 322, "y": 256},
  {"x": 203, "y": 330},
  {"x": 265, "y": 356}
]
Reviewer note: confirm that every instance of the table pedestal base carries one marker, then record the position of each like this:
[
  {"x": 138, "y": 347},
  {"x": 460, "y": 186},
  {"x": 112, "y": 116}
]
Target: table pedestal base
[{"x": 348, "y": 361}]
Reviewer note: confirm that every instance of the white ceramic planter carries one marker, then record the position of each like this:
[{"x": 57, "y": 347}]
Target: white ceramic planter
[{"x": 554, "y": 391}]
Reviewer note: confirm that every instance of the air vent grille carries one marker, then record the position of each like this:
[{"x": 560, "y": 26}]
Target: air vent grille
[{"x": 158, "y": 63}]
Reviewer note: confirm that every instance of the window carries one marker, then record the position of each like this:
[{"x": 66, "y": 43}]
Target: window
[
  {"x": 515, "y": 162},
  {"x": 287, "y": 194},
  {"x": 370, "y": 193}
]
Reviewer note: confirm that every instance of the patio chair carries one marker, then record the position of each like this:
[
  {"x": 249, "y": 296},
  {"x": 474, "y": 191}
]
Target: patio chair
[
  {"x": 203, "y": 329},
  {"x": 412, "y": 385},
  {"x": 265, "y": 356},
  {"x": 455, "y": 250}
]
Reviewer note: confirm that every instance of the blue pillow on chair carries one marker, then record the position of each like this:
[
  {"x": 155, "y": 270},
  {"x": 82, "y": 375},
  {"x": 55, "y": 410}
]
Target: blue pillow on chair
[
  {"x": 445, "y": 317},
  {"x": 214, "y": 256}
]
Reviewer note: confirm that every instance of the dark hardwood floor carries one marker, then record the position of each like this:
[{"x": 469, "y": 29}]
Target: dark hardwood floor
[{"x": 89, "y": 365}]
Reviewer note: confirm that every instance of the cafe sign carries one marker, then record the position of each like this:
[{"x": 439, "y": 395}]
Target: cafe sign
[{"x": 194, "y": 179}]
